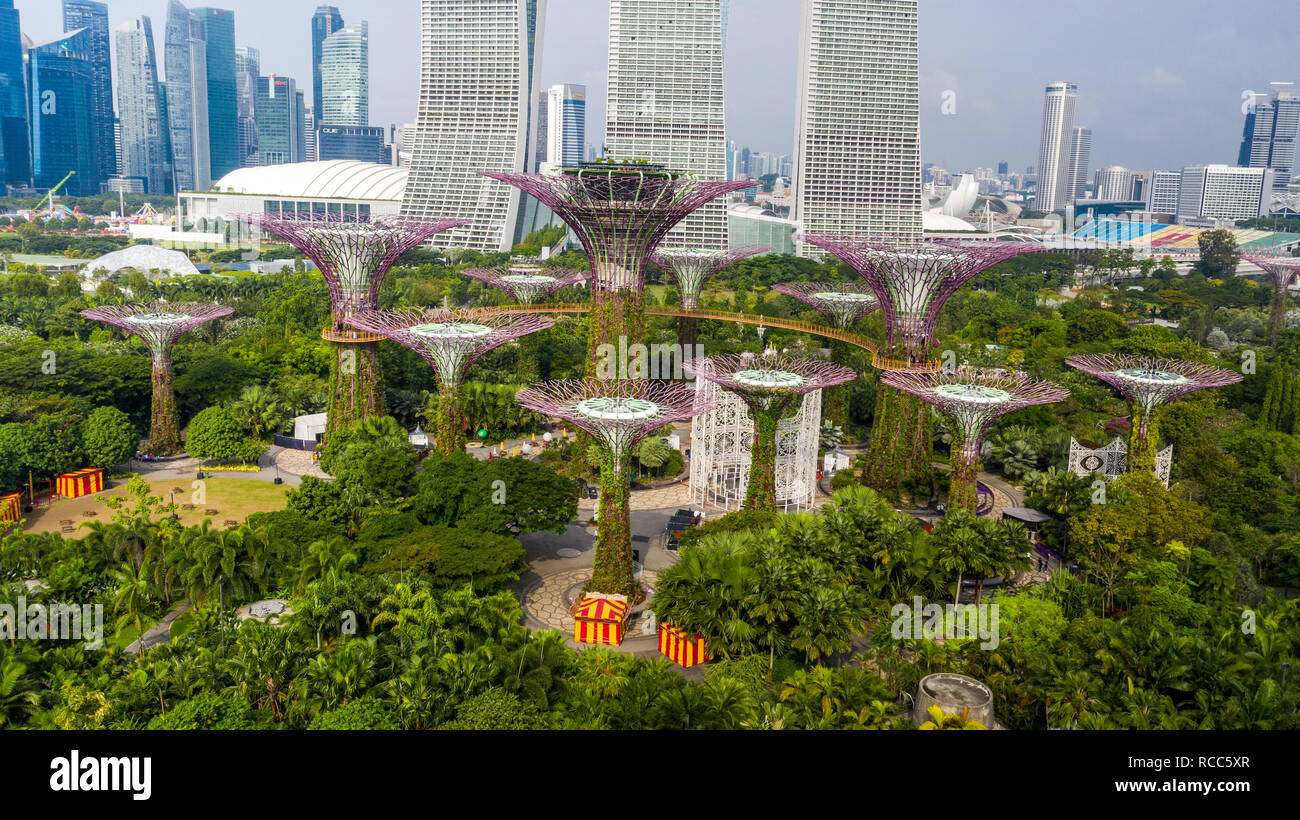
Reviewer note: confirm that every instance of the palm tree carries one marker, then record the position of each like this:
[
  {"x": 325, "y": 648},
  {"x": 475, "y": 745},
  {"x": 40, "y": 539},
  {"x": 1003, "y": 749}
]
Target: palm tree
[{"x": 131, "y": 598}]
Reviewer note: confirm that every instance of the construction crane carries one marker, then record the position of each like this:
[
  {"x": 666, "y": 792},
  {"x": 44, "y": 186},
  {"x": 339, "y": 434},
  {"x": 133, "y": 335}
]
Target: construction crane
[{"x": 50, "y": 196}]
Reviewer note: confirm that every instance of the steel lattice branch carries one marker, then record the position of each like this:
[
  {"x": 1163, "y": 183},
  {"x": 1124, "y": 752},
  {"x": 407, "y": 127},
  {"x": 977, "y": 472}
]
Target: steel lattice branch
[
  {"x": 913, "y": 280},
  {"x": 526, "y": 285},
  {"x": 845, "y": 304},
  {"x": 1281, "y": 269},
  {"x": 691, "y": 268},
  {"x": 770, "y": 380},
  {"x": 1149, "y": 381},
  {"x": 449, "y": 340},
  {"x": 353, "y": 255},
  {"x": 159, "y": 324}
]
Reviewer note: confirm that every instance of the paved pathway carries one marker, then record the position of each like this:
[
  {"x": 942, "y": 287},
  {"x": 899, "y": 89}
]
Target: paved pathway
[{"x": 161, "y": 632}]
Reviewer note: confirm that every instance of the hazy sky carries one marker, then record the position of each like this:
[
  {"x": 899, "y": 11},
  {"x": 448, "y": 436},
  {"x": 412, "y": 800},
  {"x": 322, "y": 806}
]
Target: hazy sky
[{"x": 1160, "y": 81}]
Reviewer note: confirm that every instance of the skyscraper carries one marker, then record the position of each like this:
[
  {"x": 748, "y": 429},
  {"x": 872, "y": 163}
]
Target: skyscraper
[
  {"x": 364, "y": 143},
  {"x": 248, "y": 67},
  {"x": 565, "y": 124},
  {"x": 1269, "y": 138},
  {"x": 665, "y": 101},
  {"x": 1162, "y": 193},
  {"x": 1224, "y": 192},
  {"x": 477, "y": 111},
  {"x": 1114, "y": 182},
  {"x": 142, "y": 108},
  {"x": 345, "y": 77},
  {"x": 324, "y": 22},
  {"x": 1054, "y": 146},
  {"x": 857, "y": 162},
  {"x": 279, "y": 121},
  {"x": 186, "y": 61},
  {"x": 543, "y": 123},
  {"x": 15, "y": 151},
  {"x": 61, "y": 94},
  {"x": 1076, "y": 183},
  {"x": 93, "y": 16},
  {"x": 223, "y": 104}
]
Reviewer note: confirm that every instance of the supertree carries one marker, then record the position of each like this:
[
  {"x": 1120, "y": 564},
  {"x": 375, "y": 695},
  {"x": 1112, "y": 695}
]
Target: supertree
[
  {"x": 160, "y": 324},
  {"x": 770, "y": 385},
  {"x": 617, "y": 413},
  {"x": 970, "y": 399},
  {"x": 527, "y": 284},
  {"x": 354, "y": 255},
  {"x": 620, "y": 213},
  {"x": 691, "y": 268},
  {"x": 912, "y": 281},
  {"x": 1283, "y": 271},
  {"x": 1149, "y": 383},
  {"x": 450, "y": 341},
  {"x": 845, "y": 305}
]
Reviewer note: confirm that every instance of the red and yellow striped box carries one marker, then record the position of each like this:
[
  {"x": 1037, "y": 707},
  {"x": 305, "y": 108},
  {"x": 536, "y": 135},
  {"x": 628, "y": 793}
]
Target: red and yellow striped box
[
  {"x": 681, "y": 650},
  {"x": 82, "y": 482},
  {"x": 599, "y": 621},
  {"x": 11, "y": 506}
]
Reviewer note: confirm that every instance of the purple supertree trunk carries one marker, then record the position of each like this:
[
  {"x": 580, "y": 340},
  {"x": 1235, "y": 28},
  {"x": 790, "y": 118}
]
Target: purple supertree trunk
[
  {"x": 620, "y": 215},
  {"x": 160, "y": 324},
  {"x": 1149, "y": 383},
  {"x": 971, "y": 399},
  {"x": 1282, "y": 270},
  {"x": 617, "y": 414},
  {"x": 354, "y": 256},
  {"x": 450, "y": 341}
]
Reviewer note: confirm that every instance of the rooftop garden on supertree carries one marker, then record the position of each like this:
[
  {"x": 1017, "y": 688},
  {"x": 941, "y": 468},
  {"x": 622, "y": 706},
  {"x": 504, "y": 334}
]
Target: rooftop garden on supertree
[
  {"x": 771, "y": 386},
  {"x": 160, "y": 324},
  {"x": 620, "y": 212},
  {"x": 691, "y": 268},
  {"x": 971, "y": 399},
  {"x": 354, "y": 256},
  {"x": 527, "y": 284},
  {"x": 618, "y": 414},
  {"x": 1282, "y": 270},
  {"x": 450, "y": 341},
  {"x": 1149, "y": 383},
  {"x": 912, "y": 281}
]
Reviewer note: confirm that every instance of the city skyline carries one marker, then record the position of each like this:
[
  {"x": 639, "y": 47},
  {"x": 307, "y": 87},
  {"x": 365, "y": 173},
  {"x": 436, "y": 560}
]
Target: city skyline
[{"x": 1152, "y": 102}]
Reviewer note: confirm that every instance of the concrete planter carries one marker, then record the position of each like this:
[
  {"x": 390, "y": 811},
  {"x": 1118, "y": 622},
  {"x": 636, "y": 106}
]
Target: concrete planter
[{"x": 952, "y": 693}]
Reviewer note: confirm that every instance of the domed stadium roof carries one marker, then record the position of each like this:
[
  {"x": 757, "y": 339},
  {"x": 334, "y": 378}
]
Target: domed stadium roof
[
  {"x": 333, "y": 179},
  {"x": 144, "y": 258}
]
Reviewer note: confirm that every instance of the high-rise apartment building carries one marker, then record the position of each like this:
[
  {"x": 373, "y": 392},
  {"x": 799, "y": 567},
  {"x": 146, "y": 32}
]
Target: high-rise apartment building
[
  {"x": 665, "y": 101},
  {"x": 857, "y": 159},
  {"x": 345, "y": 77},
  {"x": 309, "y": 134},
  {"x": 61, "y": 96},
  {"x": 1076, "y": 183},
  {"x": 477, "y": 111},
  {"x": 565, "y": 124},
  {"x": 1225, "y": 192},
  {"x": 1162, "y": 193},
  {"x": 93, "y": 16},
  {"x": 1114, "y": 182},
  {"x": 1055, "y": 145},
  {"x": 15, "y": 148},
  {"x": 324, "y": 22},
  {"x": 1269, "y": 138},
  {"x": 543, "y": 124},
  {"x": 142, "y": 109},
  {"x": 248, "y": 67},
  {"x": 223, "y": 103},
  {"x": 185, "y": 57},
  {"x": 280, "y": 124}
]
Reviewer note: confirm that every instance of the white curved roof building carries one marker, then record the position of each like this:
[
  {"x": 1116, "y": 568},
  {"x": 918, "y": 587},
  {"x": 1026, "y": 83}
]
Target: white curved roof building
[
  {"x": 340, "y": 187},
  {"x": 144, "y": 258}
]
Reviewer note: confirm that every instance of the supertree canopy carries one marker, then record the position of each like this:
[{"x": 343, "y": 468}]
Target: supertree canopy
[
  {"x": 353, "y": 255},
  {"x": 971, "y": 399},
  {"x": 692, "y": 268},
  {"x": 620, "y": 213},
  {"x": 450, "y": 341},
  {"x": 1282, "y": 270},
  {"x": 912, "y": 281},
  {"x": 617, "y": 414},
  {"x": 527, "y": 284},
  {"x": 845, "y": 304},
  {"x": 1148, "y": 383},
  {"x": 160, "y": 325},
  {"x": 770, "y": 385}
]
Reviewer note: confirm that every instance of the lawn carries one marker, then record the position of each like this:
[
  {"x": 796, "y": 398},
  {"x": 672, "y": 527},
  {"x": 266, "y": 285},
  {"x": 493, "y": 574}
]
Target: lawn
[{"x": 234, "y": 499}]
